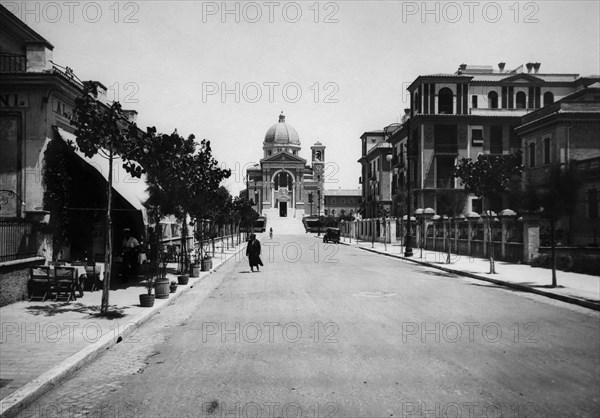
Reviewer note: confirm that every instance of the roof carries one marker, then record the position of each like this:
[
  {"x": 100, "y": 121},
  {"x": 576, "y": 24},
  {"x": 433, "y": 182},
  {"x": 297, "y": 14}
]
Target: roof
[
  {"x": 342, "y": 192},
  {"x": 282, "y": 133},
  {"x": 18, "y": 28}
]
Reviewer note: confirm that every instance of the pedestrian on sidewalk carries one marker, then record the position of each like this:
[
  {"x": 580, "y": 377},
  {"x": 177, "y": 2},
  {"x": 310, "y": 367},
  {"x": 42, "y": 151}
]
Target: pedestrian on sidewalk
[{"x": 253, "y": 253}]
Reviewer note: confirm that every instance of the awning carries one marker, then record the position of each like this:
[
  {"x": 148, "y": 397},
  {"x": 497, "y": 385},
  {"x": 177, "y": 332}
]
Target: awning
[{"x": 132, "y": 189}]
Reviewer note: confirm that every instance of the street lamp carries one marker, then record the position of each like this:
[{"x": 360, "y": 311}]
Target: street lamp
[{"x": 408, "y": 252}]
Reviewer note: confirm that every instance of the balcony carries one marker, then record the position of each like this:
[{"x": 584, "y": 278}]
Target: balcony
[{"x": 11, "y": 63}]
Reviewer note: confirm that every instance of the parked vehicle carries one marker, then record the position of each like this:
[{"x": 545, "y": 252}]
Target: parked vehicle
[{"x": 332, "y": 235}]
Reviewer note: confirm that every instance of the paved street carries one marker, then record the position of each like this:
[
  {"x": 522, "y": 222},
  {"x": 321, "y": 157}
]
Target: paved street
[{"x": 326, "y": 330}]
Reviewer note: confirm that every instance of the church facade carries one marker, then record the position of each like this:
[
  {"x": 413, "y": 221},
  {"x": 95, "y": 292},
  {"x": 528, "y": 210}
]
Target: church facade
[{"x": 283, "y": 184}]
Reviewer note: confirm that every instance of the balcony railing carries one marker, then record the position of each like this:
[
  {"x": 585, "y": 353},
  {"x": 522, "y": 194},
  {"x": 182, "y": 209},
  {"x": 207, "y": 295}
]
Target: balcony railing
[{"x": 11, "y": 63}]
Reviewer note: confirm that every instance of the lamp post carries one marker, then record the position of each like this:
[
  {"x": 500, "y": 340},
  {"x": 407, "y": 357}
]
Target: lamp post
[
  {"x": 408, "y": 252},
  {"x": 319, "y": 212}
]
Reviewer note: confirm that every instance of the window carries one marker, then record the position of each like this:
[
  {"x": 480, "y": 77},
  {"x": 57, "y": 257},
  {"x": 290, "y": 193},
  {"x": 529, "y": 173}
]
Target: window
[
  {"x": 548, "y": 98},
  {"x": 343, "y": 201},
  {"x": 476, "y": 205},
  {"x": 592, "y": 203},
  {"x": 474, "y": 102},
  {"x": 496, "y": 140},
  {"x": 532, "y": 154},
  {"x": 477, "y": 137},
  {"x": 445, "y": 167},
  {"x": 445, "y": 139},
  {"x": 546, "y": 150},
  {"x": 521, "y": 100},
  {"x": 492, "y": 100},
  {"x": 445, "y": 101}
]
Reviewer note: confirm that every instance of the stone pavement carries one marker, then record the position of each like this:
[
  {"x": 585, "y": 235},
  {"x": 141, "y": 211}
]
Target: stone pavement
[
  {"x": 579, "y": 289},
  {"x": 41, "y": 343}
]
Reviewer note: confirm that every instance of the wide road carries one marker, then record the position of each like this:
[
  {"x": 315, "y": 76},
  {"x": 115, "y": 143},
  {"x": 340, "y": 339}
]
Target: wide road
[{"x": 326, "y": 330}]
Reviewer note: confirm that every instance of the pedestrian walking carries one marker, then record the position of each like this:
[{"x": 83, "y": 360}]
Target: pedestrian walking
[{"x": 253, "y": 253}]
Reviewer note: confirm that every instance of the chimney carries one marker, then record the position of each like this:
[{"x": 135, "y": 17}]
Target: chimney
[
  {"x": 462, "y": 67},
  {"x": 101, "y": 91},
  {"x": 536, "y": 67},
  {"x": 529, "y": 66},
  {"x": 131, "y": 115},
  {"x": 39, "y": 57},
  {"x": 501, "y": 66}
]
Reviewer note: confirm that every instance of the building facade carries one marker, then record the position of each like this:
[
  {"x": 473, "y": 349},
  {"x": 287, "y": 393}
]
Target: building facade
[
  {"x": 342, "y": 202},
  {"x": 376, "y": 173},
  {"x": 567, "y": 133},
  {"x": 283, "y": 184},
  {"x": 472, "y": 111}
]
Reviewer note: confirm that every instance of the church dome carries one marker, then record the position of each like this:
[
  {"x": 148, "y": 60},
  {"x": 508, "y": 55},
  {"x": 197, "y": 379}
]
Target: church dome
[{"x": 282, "y": 134}]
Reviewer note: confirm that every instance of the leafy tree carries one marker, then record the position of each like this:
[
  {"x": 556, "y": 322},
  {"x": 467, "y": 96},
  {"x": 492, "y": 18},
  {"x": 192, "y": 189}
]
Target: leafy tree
[
  {"x": 246, "y": 214},
  {"x": 487, "y": 177},
  {"x": 182, "y": 176},
  {"x": 105, "y": 129},
  {"x": 556, "y": 198}
]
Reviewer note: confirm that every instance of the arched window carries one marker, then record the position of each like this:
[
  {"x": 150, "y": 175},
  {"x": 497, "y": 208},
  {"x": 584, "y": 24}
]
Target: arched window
[
  {"x": 521, "y": 100},
  {"x": 492, "y": 100},
  {"x": 548, "y": 98},
  {"x": 283, "y": 179},
  {"x": 445, "y": 99}
]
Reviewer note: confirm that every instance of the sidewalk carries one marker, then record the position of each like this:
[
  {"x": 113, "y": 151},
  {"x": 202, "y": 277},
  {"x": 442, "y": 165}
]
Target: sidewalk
[
  {"x": 579, "y": 289},
  {"x": 41, "y": 343}
]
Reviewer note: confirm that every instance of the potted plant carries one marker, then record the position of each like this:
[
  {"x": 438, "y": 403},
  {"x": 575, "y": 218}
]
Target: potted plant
[
  {"x": 195, "y": 267},
  {"x": 173, "y": 286},
  {"x": 161, "y": 284},
  {"x": 206, "y": 262},
  {"x": 150, "y": 273}
]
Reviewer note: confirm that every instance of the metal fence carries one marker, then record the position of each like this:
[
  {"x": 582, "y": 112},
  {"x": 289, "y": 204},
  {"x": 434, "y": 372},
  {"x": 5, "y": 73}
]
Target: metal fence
[{"x": 17, "y": 240}]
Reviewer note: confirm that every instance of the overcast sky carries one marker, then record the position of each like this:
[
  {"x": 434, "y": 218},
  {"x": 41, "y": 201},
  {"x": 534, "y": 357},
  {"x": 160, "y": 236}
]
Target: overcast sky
[{"x": 336, "y": 69}]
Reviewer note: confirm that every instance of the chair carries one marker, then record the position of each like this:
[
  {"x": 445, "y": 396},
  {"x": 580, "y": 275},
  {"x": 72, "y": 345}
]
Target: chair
[
  {"x": 93, "y": 277},
  {"x": 39, "y": 281},
  {"x": 65, "y": 282}
]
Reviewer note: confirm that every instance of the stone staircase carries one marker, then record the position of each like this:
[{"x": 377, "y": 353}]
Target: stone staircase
[{"x": 283, "y": 226}]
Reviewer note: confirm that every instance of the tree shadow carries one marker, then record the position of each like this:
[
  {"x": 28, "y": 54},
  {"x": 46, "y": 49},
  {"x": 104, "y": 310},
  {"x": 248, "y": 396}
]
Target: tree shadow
[{"x": 53, "y": 309}]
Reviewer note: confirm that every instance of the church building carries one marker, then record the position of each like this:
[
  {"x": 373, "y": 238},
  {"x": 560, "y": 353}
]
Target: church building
[{"x": 283, "y": 184}]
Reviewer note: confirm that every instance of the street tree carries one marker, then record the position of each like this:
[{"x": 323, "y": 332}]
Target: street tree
[
  {"x": 183, "y": 180},
  {"x": 487, "y": 177},
  {"x": 104, "y": 129},
  {"x": 555, "y": 198}
]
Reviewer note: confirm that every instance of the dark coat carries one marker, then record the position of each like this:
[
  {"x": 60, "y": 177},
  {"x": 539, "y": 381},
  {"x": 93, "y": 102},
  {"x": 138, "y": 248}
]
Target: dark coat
[{"x": 253, "y": 253}]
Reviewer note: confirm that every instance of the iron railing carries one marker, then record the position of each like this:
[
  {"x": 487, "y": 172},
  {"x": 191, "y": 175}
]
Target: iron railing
[{"x": 17, "y": 239}]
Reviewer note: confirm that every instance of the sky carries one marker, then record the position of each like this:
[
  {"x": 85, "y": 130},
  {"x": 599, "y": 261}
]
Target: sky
[{"x": 224, "y": 71}]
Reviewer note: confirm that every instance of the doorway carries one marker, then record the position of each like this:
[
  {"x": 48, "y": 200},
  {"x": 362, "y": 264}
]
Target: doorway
[{"x": 282, "y": 209}]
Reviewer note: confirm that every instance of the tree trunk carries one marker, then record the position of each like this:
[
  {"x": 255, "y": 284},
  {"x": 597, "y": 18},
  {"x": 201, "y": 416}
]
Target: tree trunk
[
  {"x": 553, "y": 249},
  {"x": 448, "y": 238},
  {"x": 108, "y": 242}
]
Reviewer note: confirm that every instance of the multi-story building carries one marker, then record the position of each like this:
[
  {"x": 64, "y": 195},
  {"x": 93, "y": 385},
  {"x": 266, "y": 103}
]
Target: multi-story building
[
  {"x": 460, "y": 115},
  {"x": 564, "y": 133},
  {"x": 37, "y": 97},
  {"x": 376, "y": 174},
  {"x": 342, "y": 202}
]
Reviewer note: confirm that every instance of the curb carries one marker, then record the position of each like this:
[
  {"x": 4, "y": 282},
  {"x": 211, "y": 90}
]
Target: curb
[
  {"x": 563, "y": 298},
  {"x": 11, "y": 405}
]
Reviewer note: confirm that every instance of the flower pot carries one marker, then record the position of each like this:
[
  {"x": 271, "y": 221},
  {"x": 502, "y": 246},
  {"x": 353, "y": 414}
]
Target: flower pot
[
  {"x": 146, "y": 300},
  {"x": 206, "y": 264},
  {"x": 183, "y": 279},
  {"x": 195, "y": 270},
  {"x": 161, "y": 288},
  {"x": 173, "y": 288}
]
